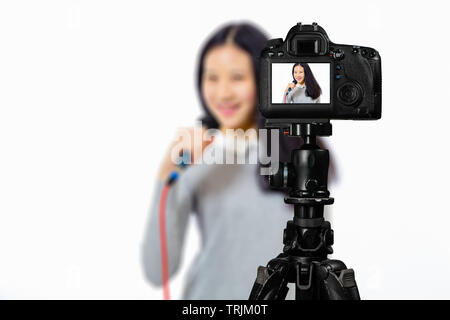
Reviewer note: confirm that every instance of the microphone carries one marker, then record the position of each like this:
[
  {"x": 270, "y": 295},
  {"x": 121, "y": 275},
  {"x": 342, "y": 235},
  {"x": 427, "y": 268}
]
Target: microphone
[
  {"x": 290, "y": 89},
  {"x": 185, "y": 160}
]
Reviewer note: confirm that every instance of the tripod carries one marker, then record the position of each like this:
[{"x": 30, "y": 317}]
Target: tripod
[{"x": 308, "y": 237}]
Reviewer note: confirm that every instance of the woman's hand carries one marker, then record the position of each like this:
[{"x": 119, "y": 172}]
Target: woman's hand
[
  {"x": 185, "y": 139},
  {"x": 290, "y": 85}
]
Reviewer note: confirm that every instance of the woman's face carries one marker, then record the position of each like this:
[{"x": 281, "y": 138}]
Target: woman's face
[
  {"x": 299, "y": 74},
  {"x": 229, "y": 87}
]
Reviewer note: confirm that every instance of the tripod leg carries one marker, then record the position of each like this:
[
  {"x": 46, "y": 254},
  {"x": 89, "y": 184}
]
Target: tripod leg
[
  {"x": 270, "y": 284},
  {"x": 338, "y": 281}
]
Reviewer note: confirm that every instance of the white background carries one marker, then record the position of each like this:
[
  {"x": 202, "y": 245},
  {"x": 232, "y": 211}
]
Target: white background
[
  {"x": 282, "y": 75},
  {"x": 88, "y": 106}
]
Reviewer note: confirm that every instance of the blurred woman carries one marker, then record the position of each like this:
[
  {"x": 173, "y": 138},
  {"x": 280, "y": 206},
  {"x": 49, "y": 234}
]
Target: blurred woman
[{"x": 240, "y": 221}]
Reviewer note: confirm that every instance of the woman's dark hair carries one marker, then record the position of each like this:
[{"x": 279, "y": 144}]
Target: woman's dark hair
[
  {"x": 245, "y": 36},
  {"x": 251, "y": 39},
  {"x": 313, "y": 89}
]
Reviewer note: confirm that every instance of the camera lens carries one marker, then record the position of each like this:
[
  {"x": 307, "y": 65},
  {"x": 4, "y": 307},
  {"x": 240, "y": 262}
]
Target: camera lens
[{"x": 350, "y": 94}]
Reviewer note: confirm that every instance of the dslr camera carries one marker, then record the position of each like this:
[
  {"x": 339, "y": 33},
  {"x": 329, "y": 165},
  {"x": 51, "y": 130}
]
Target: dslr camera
[{"x": 308, "y": 78}]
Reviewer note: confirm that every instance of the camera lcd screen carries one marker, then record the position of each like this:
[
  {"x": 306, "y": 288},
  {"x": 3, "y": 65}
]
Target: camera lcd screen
[{"x": 301, "y": 83}]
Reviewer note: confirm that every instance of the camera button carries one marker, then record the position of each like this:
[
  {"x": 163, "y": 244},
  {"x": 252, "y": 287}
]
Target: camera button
[
  {"x": 273, "y": 43},
  {"x": 338, "y": 55},
  {"x": 280, "y": 53},
  {"x": 270, "y": 54},
  {"x": 338, "y": 77},
  {"x": 338, "y": 67}
]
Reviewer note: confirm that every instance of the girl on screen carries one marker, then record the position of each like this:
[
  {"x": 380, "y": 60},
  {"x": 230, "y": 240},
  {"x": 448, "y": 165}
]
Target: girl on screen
[{"x": 304, "y": 88}]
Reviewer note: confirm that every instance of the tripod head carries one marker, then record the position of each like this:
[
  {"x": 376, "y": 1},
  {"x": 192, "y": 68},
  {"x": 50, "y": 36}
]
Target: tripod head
[
  {"x": 306, "y": 180},
  {"x": 306, "y": 176}
]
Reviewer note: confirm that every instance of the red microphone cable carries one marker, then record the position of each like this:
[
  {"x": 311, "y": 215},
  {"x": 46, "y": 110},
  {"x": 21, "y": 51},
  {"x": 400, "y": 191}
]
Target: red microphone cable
[
  {"x": 185, "y": 160},
  {"x": 163, "y": 241}
]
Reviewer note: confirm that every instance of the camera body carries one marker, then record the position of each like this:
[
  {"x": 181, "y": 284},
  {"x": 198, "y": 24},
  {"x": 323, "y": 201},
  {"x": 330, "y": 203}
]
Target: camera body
[{"x": 327, "y": 80}]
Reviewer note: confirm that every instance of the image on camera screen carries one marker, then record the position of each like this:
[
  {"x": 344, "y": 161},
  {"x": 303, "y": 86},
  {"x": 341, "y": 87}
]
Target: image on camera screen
[{"x": 301, "y": 82}]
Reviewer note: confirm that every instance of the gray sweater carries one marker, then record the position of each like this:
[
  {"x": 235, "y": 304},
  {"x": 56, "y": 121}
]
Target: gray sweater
[
  {"x": 241, "y": 228},
  {"x": 298, "y": 95}
]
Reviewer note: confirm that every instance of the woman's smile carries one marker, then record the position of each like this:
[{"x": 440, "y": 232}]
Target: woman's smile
[{"x": 227, "y": 109}]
